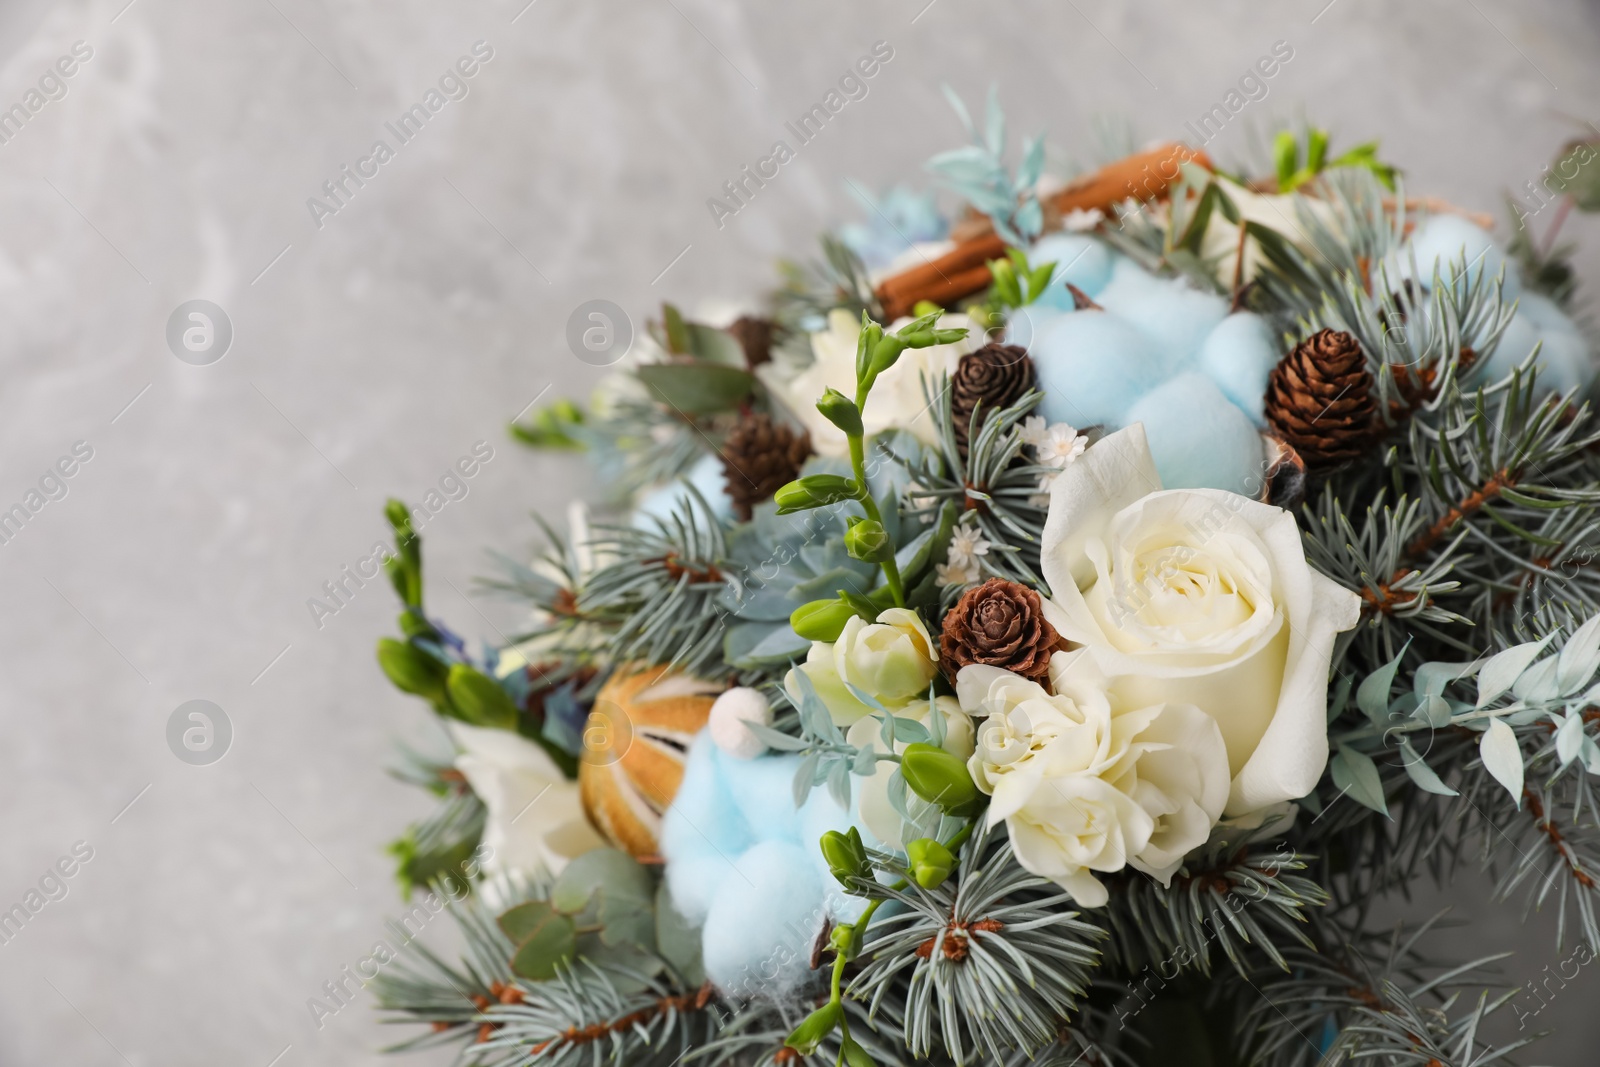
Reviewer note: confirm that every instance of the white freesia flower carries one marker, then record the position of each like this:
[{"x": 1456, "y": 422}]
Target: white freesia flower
[
  {"x": 1278, "y": 212},
  {"x": 892, "y": 660},
  {"x": 877, "y": 814},
  {"x": 536, "y": 822},
  {"x": 1203, "y": 597},
  {"x": 1084, "y": 785},
  {"x": 896, "y": 401}
]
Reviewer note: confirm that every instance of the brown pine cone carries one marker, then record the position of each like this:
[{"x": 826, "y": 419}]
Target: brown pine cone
[
  {"x": 755, "y": 337},
  {"x": 993, "y": 377},
  {"x": 1319, "y": 400},
  {"x": 998, "y": 624},
  {"x": 759, "y": 457}
]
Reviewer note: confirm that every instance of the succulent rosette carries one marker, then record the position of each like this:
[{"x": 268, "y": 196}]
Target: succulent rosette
[{"x": 1129, "y": 577}]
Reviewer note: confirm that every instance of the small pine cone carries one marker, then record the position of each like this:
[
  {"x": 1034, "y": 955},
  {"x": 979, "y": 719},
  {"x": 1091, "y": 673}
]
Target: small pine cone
[
  {"x": 760, "y": 457},
  {"x": 755, "y": 337},
  {"x": 993, "y": 377},
  {"x": 1319, "y": 400},
  {"x": 998, "y": 624}
]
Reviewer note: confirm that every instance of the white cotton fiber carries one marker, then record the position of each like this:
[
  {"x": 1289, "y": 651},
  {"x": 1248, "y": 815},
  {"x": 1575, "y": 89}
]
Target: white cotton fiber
[{"x": 763, "y": 921}]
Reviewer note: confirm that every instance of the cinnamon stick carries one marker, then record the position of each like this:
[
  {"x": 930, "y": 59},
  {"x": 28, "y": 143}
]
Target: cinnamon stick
[{"x": 964, "y": 269}]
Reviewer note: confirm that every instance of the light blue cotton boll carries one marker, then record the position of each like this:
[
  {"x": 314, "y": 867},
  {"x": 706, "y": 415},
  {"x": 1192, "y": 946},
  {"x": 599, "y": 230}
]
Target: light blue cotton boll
[
  {"x": 1443, "y": 239},
  {"x": 763, "y": 920},
  {"x": 1199, "y": 438},
  {"x": 1080, "y": 260},
  {"x": 1238, "y": 356},
  {"x": 1515, "y": 344},
  {"x": 1560, "y": 334},
  {"x": 1091, "y": 366},
  {"x": 1171, "y": 312},
  {"x": 763, "y": 791},
  {"x": 706, "y": 476},
  {"x": 702, "y": 832},
  {"x": 1564, "y": 361},
  {"x": 1025, "y": 325}
]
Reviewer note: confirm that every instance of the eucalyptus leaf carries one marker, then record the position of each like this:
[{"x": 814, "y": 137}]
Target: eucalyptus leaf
[
  {"x": 1422, "y": 775},
  {"x": 1373, "y": 695},
  {"x": 1504, "y": 668},
  {"x": 1580, "y": 657},
  {"x": 1502, "y": 757},
  {"x": 1569, "y": 738},
  {"x": 544, "y": 938},
  {"x": 696, "y": 387},
  {"x": 1356, "y": 774}
]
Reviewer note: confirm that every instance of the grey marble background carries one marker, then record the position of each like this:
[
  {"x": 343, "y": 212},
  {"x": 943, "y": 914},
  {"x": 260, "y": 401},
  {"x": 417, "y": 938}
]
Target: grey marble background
[{"x": 370, "y": 353}]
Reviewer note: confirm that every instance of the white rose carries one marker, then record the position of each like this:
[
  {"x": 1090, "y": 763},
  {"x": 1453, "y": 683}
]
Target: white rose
[
  {"x": 536, "y": 822},
  {"x": 892, "y": 660},
  {"x": 877, "y": 814},
  {"x": 1202, "y": 597},
  {"x": 896, "y": 401},
  {"x": 1036, "y": 748}
]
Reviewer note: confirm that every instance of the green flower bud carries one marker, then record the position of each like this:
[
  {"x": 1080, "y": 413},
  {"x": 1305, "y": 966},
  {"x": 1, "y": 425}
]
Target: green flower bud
[
  {"x": 931, "y": 862},
  {"x": 842, "y": 936},
  {"x": 805, "y": 1038},
  {"x": 855, "y": 1055},
  {"x": 479, "y": 699},
  {"x": 411, "y": 671},
  {"x": 846, "y": 855},
  {"x": 941, "y": 779},
  {"x": 395, "y": 511},
  {"x": 866, "y": 344},
  {"x": 814, "y": 491},
  {"x": 821, "y": 620},
  {"x": 841, "y": 411},
  {"x": 869, "y": 542}
]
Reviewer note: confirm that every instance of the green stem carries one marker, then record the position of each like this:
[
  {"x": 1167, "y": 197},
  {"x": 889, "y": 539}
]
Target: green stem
[{"x": 891, "y": 569}]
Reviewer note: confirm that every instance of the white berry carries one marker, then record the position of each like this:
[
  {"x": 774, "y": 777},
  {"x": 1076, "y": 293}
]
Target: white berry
[{"x": 729, "y": 715}]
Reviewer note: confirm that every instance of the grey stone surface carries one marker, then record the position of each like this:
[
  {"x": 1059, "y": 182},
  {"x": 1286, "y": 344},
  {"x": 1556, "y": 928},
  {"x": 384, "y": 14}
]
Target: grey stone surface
[{"x": 372, "y": 351}]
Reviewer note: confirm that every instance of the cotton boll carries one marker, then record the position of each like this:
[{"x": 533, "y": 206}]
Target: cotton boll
[
  {"x": 763, "y": 792},
  {"x": 706, "y": 476},
  {"x": 1081, "y": 261},
  {"x": 701, "y": 831},
  {"x": 763, "y": 920},
  {"x": 1091, "y": 366},
  {"x": 729, "y": 716},
  {"x": 1198, "y": 438},
  {"x": 1564, "y": 361},
  {"x": 1561, "y": 337},
  {"x": 1515, "y": 345},
  {"x": 1172, "y": 313},
  {"x": 1238, "y": 356},
  {"x": 1442, "y": 239},
  {"x": 1025, "y": 325}
]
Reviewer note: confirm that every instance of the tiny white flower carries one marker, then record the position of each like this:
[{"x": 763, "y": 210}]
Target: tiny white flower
[
  {"x": 966, "y": 543},
  {"x": 1080, "y": 221},
  {"x": 963, "y": 572},
  {"x": 1061, "y": 445},
  {"x": 1033, "y": 431}
]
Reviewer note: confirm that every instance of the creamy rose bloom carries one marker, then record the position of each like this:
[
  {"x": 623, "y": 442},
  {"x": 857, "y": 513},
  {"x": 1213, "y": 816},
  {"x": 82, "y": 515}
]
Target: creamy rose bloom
[
  {"x": 536, "y": 822},
  {"x": 892, "y": 660},
  {"x": 1083, "y": 786},
  {"x": 896, "y": 401},
  {"x": 1202, "y": 597}
]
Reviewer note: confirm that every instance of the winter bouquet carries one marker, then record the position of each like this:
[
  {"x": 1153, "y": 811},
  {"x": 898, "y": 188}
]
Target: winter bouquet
[{"x": 1040, "y": 635}]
